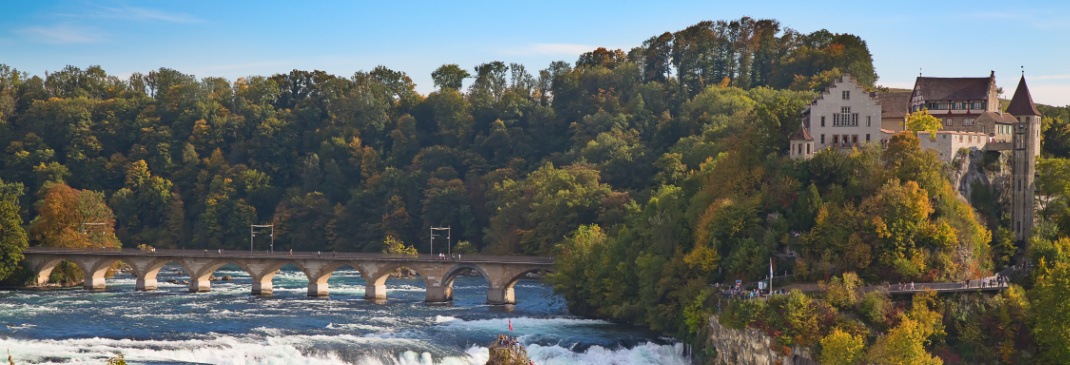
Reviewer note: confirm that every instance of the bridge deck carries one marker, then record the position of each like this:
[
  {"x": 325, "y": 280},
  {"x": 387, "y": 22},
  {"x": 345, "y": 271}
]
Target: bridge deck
[
  {"x": 339, "y": 256},
  {"x": 500, "y": 272}
]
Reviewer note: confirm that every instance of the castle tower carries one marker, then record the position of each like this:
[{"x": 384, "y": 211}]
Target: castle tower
[
  {"x": 1026, "y": 141},
  {"x": 802, "y": 144}
]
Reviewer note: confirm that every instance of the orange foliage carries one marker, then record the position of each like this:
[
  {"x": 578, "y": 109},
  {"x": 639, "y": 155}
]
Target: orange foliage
[{"x": 66, "y": 218}]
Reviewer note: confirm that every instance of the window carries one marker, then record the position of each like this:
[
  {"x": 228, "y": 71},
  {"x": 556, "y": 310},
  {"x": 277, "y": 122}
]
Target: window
[
  {"x": 967, "y": 121},
  {"x": 800, "y": 148},
  {"x": 822, "y": 139},
  {"x": 846, "y": 95},
  {"x": 845, "y": 118},
  {"x": 807, "y": 148},
  {"x": 867, "y": 137},
  {"x": 868, "y": 123},
  {"x": 948, "y": 122},
  {"x": 822, "y": 124}
]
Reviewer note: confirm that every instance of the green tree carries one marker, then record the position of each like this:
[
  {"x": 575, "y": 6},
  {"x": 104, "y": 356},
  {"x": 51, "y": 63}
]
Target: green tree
[
  {"x": 534, "y": 214},
  {"x": 1051, "y": 300},
  {"x": 449, "y": 77},
  {"x": 13, "y": 240}
]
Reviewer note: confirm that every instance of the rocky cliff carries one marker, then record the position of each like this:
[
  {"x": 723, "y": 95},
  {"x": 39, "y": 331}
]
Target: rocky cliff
[{"x": 750, "y": 346}]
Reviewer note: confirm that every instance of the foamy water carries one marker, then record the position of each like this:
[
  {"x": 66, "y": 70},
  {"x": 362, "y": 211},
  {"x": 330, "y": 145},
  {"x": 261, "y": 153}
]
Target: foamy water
[{"x": 229, "y": 326}]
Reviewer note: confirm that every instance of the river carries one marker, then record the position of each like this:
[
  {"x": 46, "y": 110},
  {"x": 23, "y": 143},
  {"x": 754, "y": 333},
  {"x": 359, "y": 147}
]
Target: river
[{"x": 229, "y": 326}]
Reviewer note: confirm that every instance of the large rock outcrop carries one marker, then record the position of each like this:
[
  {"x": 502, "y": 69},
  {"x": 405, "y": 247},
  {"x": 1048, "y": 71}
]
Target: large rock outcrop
[{"x": 750, "y": 346}]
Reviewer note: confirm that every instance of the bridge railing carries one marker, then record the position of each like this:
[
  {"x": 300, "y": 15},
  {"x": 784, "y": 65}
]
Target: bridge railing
[{"x": 284, "y": 254}]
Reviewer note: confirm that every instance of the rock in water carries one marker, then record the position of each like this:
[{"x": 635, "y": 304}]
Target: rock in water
[
  {"x": 506, "y": 355},
  {"x": 227, "y": 278}
]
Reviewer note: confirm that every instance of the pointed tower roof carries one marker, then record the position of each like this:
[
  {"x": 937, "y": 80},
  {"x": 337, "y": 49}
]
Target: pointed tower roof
[
  {"x": 801, "y": 135},
  {"x": 1022, "y": 102}
]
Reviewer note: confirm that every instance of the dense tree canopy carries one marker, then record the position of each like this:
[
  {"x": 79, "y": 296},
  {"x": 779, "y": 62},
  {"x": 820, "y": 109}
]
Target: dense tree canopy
[{"x": 649, "y": 173}]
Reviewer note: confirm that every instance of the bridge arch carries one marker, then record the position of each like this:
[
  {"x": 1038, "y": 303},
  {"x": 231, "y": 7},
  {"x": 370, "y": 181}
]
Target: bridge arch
[
  {"x": 318, "y": 272},
  {"x": 94, "y": 268},
  {"x": 44, "y": 268},
  {"x": 501, "y": 291},
  {"x": 200, "y": 271},
  {"x": 146, "y": 269},
  {"x": 376, "y": 273},
  {"x": 451, "y": 274}
]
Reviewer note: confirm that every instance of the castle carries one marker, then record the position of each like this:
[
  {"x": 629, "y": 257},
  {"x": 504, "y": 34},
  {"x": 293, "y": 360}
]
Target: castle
[{"x": 844, "y": 116}]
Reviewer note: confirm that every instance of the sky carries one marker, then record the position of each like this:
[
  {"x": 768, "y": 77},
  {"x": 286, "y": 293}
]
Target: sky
[{"x": 232, "y": 39}]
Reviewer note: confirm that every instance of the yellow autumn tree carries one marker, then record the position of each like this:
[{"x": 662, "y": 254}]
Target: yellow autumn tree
[
  {"x": 842, "y": 348},
  {"x": 905, "y": 344},
  {"x": 392, "y": 245},
  {"x": 923, "y": 121}
]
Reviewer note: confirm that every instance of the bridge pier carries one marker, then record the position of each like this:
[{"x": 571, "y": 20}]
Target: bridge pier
[
  {"x": 94, "y": 269},
  {"x": 146, "y": 269},
  {"x": 262, "y": 288},
  {"x": 318, "y": 289},
  {"x": 199, "y": 286},
  {"x": 262, "y": 273},
  {"x": 438, "y": 294},
  {"x": 499, "y": 295},
  {"x": 94, "y": 283},
  {"x": 374, "y": 292},
  {"x": 145, "y": 284}
]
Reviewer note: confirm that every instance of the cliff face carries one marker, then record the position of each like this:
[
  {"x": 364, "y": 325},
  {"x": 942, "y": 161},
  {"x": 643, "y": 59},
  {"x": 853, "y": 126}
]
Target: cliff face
[{"x": 752, "y": 347}]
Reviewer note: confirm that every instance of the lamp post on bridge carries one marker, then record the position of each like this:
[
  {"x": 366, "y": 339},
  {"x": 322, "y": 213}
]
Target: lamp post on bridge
[
  {"x": 252, "y": 234},
  {"x": 449, "y": 233}
]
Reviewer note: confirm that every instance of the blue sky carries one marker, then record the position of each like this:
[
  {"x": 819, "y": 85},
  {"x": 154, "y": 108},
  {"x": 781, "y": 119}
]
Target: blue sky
[{"x": 233, "y": 39}]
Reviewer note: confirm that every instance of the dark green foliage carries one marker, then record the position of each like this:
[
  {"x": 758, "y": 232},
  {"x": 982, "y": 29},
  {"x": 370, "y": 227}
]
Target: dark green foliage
[{"x": 13, "y": 238}]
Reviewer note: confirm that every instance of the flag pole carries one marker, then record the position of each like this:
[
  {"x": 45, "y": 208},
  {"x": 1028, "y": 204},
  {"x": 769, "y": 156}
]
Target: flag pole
[{"x": 770, "y": 276}]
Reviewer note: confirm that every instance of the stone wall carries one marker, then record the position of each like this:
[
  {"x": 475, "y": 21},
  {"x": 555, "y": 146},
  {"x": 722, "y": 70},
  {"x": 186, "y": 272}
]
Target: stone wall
[{"x": 750, "y": 346}]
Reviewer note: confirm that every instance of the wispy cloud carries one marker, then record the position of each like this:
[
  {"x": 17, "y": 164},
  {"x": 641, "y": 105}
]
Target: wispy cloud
[
  {"x": 549, "y": 49},
  {"x": 134, "y": 13},
  {"x": 1051, "y": 94},
  {"x": 1048, "y": 77},
  {"x": 61, "y": 33}
]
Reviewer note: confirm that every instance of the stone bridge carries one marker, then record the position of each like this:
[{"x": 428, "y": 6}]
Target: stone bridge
[{"x": 500, "y": 272}]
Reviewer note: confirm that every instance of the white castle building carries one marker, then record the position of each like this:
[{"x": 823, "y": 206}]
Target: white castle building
[{"x": 844, "y": 116}]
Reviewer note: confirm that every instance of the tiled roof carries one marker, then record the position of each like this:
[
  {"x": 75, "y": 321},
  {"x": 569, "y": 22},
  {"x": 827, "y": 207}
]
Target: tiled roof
[
  {"x": 801, "y": 135},
  {"x": 894, "y": 104},
  {"x": 1004, "y": 118},
  {"x": 953, "y": 88},
  {"x": 1022, "y": 102}
]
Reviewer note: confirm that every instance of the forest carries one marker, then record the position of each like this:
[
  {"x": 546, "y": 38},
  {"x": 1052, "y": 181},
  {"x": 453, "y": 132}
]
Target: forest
[{"x": 649, "y": 174}]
